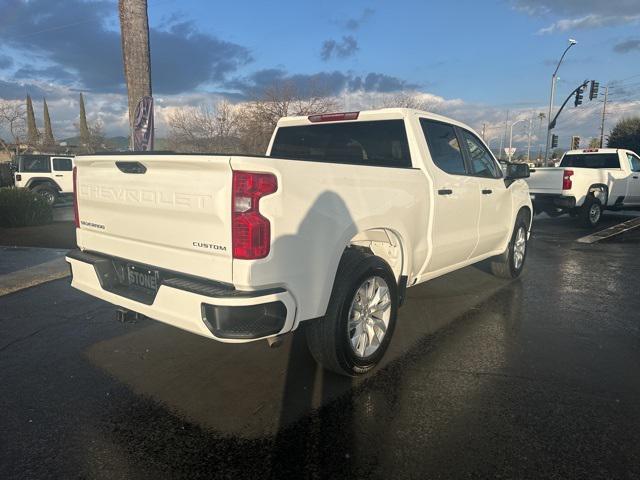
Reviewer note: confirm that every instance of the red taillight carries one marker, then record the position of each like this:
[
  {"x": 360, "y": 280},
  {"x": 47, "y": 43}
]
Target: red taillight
[
  {"x": 76, "y": 216},
  {"x": 566, "y": 180},
  {"x": 250, "y": 231},
  {"x": 333, "y": 117}
]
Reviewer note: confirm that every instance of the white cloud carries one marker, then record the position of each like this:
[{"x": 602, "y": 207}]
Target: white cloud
[{"x": 589, "y": 21}]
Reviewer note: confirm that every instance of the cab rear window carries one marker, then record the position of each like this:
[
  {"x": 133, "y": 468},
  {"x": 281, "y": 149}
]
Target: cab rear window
[
  {"x": 593, "y": 160},
  {"x": 380, "y": 143}
]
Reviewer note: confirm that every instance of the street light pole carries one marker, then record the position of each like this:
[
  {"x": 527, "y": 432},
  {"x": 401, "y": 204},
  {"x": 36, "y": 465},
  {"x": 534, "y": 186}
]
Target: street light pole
[
  {"x": 511, "y": 137},
  {"x": 572, "y": 42}
]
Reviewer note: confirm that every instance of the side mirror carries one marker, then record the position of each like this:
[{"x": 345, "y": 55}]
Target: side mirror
[{"x": 516, "y": 171}]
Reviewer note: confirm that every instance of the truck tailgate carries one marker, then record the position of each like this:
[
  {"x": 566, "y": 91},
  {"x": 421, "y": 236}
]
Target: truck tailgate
[
  {"x": 546, "y": 180},
  {"x": 167, "y": 211}
]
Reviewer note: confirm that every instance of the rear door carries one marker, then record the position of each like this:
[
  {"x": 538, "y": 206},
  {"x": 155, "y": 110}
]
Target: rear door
[
  {"x": 457, "y": 198},
  {"x": 166, "y": 211},
  {"x": 62, "y": 168},
  {"x": 494, "y": 222}
]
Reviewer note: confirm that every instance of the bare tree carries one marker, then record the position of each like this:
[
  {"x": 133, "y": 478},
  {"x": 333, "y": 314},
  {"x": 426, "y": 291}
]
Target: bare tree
[
  {"x": 13, "y": 120},
  {"x": 205, "y": 129},
  {"x": 134, "y": 27},
  {"x": 408, "y": 99},
  {"x": 259, "y": 117}
]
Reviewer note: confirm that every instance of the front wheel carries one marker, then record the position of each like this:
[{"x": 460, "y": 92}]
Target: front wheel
[
  {"x": 355, "y": 332},
  {"x": 511, "y": 263}
]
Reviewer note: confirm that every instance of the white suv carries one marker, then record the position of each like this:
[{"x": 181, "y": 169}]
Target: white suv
[{"x": 48, "y": 175}]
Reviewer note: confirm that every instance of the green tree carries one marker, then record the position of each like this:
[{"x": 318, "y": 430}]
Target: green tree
[
  {"x": 48, "y": 139},
  {"x": 594, "y": 143},
  {"x": 33, "y": 135},
  {"x": 626, "y": 134}
]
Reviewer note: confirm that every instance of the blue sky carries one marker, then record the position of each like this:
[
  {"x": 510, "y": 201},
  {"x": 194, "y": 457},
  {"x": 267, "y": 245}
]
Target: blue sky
[{"x": 478, "y": 58}]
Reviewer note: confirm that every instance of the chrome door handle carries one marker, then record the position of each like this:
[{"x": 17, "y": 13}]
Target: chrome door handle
[{"x": 59, "y": 175}]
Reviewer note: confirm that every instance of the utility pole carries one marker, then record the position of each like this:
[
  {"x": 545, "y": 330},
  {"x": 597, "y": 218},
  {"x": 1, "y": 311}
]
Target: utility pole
[
  {"x": 503, "y": 137},
  {"x": 554, "y": 78},
  {"x": 529, "y": 140},
  {"x": 604, "y": 112}
]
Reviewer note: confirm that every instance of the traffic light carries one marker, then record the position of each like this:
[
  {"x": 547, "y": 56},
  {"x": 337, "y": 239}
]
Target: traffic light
[
  {"x": 579, "y": 96},
  {"x": 575, "y": 143},
  {"x": 554, "y": 141},
  {"x": 593, "y": 92}
]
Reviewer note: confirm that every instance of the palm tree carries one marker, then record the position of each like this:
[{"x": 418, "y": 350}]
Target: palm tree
[{"x": 134, "y": 28}]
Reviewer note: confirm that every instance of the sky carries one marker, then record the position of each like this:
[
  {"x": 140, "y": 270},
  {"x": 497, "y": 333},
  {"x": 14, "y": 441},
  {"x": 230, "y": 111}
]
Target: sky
[{"x": 471, "y": 60}]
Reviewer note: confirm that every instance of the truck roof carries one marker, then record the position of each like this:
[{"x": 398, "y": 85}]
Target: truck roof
[
  {"x": 377, "y": 114},
  {"x": 595, "y": 151}
]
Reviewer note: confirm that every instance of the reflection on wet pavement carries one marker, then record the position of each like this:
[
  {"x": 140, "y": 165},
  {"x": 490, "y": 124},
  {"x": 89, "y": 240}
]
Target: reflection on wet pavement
[{"x": 534, "y": 378}]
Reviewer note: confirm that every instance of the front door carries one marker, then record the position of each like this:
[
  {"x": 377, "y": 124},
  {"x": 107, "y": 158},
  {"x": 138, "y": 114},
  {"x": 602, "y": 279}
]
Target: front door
[
  {"x": 454, "y": 232},
  {"x": 495, "y": 221},
  {"x": 633, "y": 185}
]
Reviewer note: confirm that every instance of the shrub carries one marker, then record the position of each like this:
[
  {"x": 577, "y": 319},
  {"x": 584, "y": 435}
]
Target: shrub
[{"x": 20, "y": 207}]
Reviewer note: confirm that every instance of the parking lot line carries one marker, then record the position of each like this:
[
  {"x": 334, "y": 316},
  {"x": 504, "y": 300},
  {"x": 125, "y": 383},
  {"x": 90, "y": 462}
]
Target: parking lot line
[{"x": 611, "y": 231}]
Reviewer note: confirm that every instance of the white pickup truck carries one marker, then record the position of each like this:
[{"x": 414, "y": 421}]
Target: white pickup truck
[
  {"x": 344, "y": 213},
  {"x": 586, "y": 182}
]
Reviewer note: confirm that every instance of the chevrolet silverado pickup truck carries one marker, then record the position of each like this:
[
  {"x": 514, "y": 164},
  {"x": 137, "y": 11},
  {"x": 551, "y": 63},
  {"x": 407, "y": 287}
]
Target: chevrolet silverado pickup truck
[
  {"x": 328, "y": 229},
  {"x": 47, "y": 175},
  {"x": 587, "y": 182}
]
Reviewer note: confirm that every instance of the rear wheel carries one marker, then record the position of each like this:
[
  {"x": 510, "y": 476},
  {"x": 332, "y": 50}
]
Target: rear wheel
[
  {"x": 355, "y": 332},
  {"x": 511, "y": 263},
  {"x": 591, "y": 212},
  {"x": 47, "y": 192}
]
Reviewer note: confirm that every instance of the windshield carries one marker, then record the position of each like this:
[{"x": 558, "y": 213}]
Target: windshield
[
  {"x": 377, "y": 143},
  {"x": 591, "y": 160}
]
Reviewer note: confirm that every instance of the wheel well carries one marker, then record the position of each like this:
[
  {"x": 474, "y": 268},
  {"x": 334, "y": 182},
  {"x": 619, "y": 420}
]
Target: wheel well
[
  {"x": 383, "y": 243},
  {"x": 602, "y": 189},
  {"x": 526, "y": 211},
  {"x": 35, "y": 182}
]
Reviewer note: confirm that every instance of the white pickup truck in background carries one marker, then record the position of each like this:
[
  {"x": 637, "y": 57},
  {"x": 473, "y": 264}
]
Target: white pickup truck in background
[
  {"x": 344, "y": 213},
  {"x": 586, "y": 182}
]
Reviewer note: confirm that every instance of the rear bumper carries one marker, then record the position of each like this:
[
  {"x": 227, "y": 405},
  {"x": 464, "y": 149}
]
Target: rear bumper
[
  {"x": 206, "y": 308},
  {"x": 542, "y": 200}
]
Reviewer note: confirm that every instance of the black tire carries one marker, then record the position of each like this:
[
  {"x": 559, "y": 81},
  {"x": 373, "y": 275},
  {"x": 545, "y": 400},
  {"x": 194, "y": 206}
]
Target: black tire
[
  {"x": 591, "y": 212},
  {"x": 328, "y": 338},
  {"x": 506, "y": 266},
  {"x": 49, "y": 193}
]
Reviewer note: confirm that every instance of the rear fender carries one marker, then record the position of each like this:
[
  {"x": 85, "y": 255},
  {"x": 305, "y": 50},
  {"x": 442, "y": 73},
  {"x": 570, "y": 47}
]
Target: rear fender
[{"x": 35, "y": 181}]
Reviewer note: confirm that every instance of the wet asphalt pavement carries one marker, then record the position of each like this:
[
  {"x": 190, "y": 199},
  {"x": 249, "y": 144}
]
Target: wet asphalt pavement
[{"x": 485, "y": 378}]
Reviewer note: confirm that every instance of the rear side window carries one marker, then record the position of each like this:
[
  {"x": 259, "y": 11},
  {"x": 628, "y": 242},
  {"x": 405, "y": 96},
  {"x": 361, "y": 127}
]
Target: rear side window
[
  {"x": 593, "y": 160},
  {"x": 62, "y": 164},
  {"x": 443, "y": 146},
  {"x": 34, "y": 164},
  {"x": 377, "y": 143}
]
